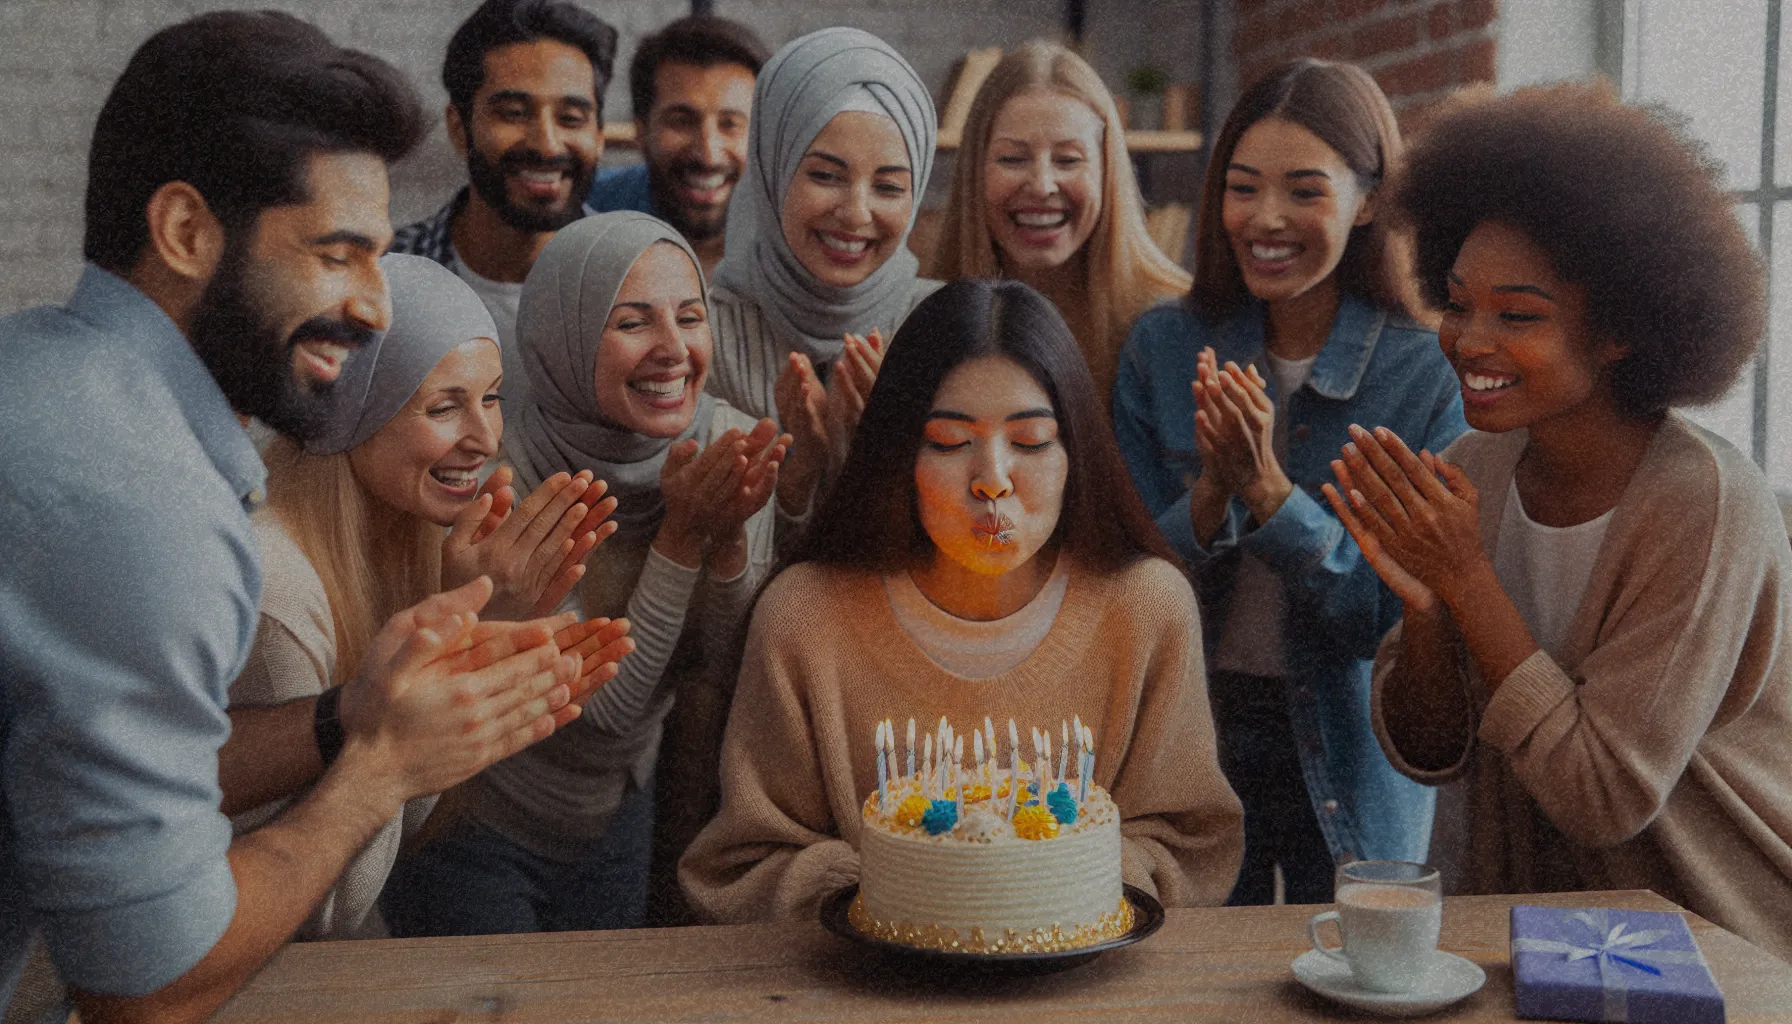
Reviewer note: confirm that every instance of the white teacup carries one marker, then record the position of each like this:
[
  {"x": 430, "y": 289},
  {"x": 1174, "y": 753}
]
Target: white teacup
[{"x": 1389, "y": 913}]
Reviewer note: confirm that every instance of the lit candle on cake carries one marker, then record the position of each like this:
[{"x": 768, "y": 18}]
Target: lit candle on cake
[
  {"x": 1063, "y": 752},
  {"x": 957, "y": 777},
  {"x": 895, "y": 766},
  {"x": 926, "y": 779},
  {"x": 883, "y": 800},
  {"x": 1013, "y": 769},
  {"x": 1088, "y": 759},
  {"x": 1076, "y": 723},
  {"x": 911, "y": 748},
  {"x": 977, "y": 748}
]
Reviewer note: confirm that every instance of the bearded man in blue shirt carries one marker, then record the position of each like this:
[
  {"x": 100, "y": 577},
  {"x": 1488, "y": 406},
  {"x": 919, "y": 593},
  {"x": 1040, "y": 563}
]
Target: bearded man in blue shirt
[{"x": 236, "y": 209}]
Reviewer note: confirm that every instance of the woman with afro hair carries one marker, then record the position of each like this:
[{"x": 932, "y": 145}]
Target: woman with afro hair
[{"x": 1597, "y": 638}]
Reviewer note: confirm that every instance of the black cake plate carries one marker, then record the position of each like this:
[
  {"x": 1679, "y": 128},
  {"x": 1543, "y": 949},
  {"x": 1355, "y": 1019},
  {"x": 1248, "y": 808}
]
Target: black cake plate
[{"x": 1148, "y": 917}]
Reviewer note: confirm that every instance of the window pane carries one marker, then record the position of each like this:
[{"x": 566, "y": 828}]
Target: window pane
[
  {"x": 1782, "y": 138},
  {"x": 1708, "y": 61},
  {"x": 1733, "y": 416},
  {"x": 1779, "y": 355}
]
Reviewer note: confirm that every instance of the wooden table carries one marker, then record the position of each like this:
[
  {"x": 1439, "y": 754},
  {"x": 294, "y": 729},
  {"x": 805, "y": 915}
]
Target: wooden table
[{"x": 1227, "y": 965}]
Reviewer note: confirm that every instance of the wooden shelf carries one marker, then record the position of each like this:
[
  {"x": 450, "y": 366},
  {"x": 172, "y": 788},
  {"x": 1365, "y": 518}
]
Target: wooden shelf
[{"x": 622, "y": 134}]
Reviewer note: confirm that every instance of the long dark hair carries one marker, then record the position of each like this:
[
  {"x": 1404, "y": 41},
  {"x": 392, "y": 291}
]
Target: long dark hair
[
  {"x": 1344, "y": 107},
  {"x": 870, "y": 519}
]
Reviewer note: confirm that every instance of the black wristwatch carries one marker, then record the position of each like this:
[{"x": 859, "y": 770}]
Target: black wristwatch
[{"x": 326, "y": 725}]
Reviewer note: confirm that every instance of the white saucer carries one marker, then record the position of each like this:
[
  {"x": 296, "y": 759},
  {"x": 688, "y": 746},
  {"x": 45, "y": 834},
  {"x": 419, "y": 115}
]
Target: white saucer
[{"x": 1451, "y": 979}]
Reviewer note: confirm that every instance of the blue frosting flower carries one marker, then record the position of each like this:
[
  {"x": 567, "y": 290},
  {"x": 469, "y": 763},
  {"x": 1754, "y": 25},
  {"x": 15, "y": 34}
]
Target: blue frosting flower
[
  {"x": 1062, "y": 804},
  {"x": 941, "y": 816}
]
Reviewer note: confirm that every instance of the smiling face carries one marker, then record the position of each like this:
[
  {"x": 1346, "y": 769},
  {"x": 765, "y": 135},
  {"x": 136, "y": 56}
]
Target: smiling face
[
  {"x": 656, "y": 346},
  {"x": 1290, "y": 204},
  {"x": 295, "y": 295},
  {"x": 989, "y": 478},
  {"x": 532, "y": 137},
  {"x": 848, "y": 207},
  {"x": 1042, "y": 179},
  {"x": 427, "y": 457},
  {"x": 694, "y": 141},
  {"x": 1516, "y": 334}
]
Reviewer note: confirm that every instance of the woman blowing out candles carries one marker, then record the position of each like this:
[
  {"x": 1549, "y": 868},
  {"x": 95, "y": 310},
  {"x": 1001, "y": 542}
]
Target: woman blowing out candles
[
  {"x": 981, "y": 556},
  {"x": 1598, "y": 629}
]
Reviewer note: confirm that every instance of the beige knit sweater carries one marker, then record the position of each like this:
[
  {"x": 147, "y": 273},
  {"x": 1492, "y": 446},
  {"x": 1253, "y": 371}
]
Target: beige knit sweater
[
  {"x": 826, "y": 660},
  {"x": 294, "y": 656},
  {"x": 1658, "y": 752}
]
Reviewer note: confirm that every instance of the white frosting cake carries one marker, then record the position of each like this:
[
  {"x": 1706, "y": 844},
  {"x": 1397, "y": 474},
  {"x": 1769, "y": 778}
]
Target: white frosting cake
[{"x": 988, "y": 883}]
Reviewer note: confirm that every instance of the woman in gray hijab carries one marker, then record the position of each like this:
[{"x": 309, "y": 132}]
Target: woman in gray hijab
[
  {"x": 615, "y": 336},
  {"x": 817, "y": 269},
  {"x": 353, "y": 533}
]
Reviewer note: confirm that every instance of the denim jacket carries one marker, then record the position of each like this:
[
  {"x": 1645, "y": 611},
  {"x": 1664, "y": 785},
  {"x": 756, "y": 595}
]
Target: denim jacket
[{"x": 1376, "y": 369}]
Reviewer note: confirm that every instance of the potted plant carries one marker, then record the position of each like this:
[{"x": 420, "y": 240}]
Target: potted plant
[{"x": 1147, "y": 84}]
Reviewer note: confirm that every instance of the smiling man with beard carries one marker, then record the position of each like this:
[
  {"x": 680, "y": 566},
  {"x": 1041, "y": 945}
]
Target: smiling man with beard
[
  {"x": 525, "y": 81},
  {"x": 236, "y": 210},
  {"x": 692, "y": 88}
]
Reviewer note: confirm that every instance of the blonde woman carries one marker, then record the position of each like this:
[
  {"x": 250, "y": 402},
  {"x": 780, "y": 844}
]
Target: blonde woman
[
  {"x": 353, "y": 533},
  {"x": 1043, "y": 192}
]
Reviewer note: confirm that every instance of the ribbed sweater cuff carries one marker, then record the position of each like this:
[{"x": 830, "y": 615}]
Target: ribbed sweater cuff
[{"x": 1533, "y": 689}]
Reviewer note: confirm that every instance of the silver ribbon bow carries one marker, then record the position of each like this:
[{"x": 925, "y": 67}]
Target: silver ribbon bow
[{"x": 1612, "y": 945}]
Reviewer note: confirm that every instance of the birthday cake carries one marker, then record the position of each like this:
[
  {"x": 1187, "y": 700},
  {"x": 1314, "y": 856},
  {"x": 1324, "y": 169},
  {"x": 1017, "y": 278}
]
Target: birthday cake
[{"x": 971, "y": 858}]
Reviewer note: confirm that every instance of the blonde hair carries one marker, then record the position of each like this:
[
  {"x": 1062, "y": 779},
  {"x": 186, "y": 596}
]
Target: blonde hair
[
  {"x": 1128, "y": 273},
  {"x": 374, "y": 560}
]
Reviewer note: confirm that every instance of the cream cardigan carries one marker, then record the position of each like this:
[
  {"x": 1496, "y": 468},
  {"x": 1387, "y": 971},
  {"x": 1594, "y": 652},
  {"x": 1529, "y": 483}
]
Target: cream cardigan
[
  {"x": 294, "y": 656},
  {"x": 826, "y": 660},
  {"x": 1658, "y": 752}
]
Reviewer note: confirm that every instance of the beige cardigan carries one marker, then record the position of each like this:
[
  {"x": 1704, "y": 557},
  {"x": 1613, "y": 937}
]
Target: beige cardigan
[
  {"x": 1658, "y": 753},
  {"x": 294, "y": 656},
  {"x": 826, "y": 660}
]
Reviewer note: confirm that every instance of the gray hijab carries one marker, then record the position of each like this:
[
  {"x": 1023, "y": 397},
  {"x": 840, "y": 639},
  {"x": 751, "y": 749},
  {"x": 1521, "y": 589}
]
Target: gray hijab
[
  {"x": 799, "y": 91},
  {"x": 559, "y": 325},
  {"x": 433, "y": 313}
]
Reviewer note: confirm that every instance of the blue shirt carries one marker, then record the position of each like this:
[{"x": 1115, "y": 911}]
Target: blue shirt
[
  {"x": 1374, "y": 370},
  {"x": 621, "y": 188},
  {"x": 127, "y": 605}
]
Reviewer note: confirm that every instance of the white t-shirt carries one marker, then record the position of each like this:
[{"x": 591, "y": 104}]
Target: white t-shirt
[
  {"x": 501, "y": 299},
  {"x": 1251, "y": 639},
  {"x": 1545, "y": 569},
  {"x": 976, "y": 650}
]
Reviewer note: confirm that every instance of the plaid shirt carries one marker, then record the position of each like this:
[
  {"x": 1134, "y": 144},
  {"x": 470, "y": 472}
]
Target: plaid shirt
[{"x": 431, "y": 236}]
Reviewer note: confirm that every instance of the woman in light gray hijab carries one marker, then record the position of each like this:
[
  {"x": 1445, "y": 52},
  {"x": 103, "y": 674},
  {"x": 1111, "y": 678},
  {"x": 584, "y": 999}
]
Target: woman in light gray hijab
[
  {"x": 817, "y": 270},
  {"x": 615, "y": 337},
  {"x": 353, "y": 533}
]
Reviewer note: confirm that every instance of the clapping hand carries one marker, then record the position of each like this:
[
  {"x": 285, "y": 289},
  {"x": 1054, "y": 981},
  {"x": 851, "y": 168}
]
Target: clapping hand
[
  {"x": 1420, "y": 533},
  {"x": 441, "y": 695},
  {"x": 854, "y": 375},
  {"x": 534, "y": 552},
  {"x": 710, "y": 494},
  {"x": 1235, "y": 434},
  {"x": 600, "y": 643}
]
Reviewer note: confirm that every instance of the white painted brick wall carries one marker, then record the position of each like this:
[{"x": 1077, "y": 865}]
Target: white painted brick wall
[{"x": 62, "y": 56}]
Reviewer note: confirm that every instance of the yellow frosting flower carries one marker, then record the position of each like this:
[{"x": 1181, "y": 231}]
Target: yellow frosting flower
[
  {"x": 909, "y": 812},
  {"x": 977, "y": 793},
  {"x": 1035, "y": 822}
]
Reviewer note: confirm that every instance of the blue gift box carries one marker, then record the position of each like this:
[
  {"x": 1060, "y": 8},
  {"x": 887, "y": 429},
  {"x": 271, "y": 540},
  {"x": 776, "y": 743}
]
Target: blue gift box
[{"x": 1596, "y": 964}]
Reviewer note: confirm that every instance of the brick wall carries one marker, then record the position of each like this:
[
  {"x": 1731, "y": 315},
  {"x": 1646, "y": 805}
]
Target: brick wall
[
  {"x": 1418, "y": 50},
  {"x": 63, "y": 55}
]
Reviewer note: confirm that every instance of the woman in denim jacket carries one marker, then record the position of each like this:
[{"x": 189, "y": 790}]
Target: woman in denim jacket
[{"x": 1229, "y": 410}]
